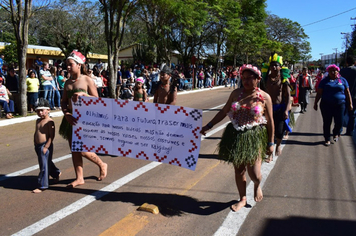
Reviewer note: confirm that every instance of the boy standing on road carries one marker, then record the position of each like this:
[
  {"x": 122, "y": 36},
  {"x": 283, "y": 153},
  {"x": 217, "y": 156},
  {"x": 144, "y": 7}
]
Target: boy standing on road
[{"x": 43, "y": 140}]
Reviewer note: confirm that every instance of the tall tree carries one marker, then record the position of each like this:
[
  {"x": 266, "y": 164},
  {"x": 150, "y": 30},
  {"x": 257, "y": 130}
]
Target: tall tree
[
  {"x": 245, "y": 41},
  {"x": 116, "y": 14},
  {"x": 21, "y": 12},
  {"x": 290, "y": 36},
  {"x": 70, "y": 25}
]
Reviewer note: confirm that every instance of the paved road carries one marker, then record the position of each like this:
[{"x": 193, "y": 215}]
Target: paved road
[{"x": 310, "y": 188}]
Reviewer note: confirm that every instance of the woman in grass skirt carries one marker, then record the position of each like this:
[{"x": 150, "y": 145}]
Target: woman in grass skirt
[{"x": 249, "y": 136}]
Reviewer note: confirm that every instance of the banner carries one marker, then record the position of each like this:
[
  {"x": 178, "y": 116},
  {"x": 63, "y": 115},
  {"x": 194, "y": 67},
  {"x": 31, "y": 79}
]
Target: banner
[{"x": 147, "y": 131}]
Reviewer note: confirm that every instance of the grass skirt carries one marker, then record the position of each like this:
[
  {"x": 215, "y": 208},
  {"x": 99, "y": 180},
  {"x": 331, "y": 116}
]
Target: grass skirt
[
  {"x": 243, "y": 147},
  {"x": 65, "y": 129}
]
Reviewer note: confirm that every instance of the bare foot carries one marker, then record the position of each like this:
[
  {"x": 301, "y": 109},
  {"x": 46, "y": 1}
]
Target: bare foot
[
  {"x": 75, "y": 183},
  {"x": 103, "y": 171},
  {"x": 258, "y": 194},
  {"x": 239, "y": 205},
  {"x": 269, "y": 158},
  {"x": 278, "y": 150},
  {"x": 37, "y": 190},
  {"x": 56, "y": 180}
]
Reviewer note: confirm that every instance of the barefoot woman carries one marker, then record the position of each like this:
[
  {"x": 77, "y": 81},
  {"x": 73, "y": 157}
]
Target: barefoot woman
[
  {"x": 79, "y": 84},
  {"x": 249, "y": 134}
]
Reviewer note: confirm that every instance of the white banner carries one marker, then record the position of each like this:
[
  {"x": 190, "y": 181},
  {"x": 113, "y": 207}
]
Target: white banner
[{"x": 147, "y": 131}]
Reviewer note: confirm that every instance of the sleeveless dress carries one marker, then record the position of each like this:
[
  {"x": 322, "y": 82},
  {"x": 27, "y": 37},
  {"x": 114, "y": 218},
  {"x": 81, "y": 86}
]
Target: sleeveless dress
[
  {"x": 65, "y": 129},
  {"x": 245, "y": 138}
]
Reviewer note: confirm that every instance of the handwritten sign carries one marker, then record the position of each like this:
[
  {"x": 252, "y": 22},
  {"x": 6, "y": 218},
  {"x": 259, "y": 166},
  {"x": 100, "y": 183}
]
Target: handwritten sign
[{"x": 147, "y": 131}]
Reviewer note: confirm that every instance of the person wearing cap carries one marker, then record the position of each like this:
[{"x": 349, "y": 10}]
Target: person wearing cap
[
  {"x": 166, "y": 92},
  {"x": 334, "y": 93},
  {"x": 276, "y": 84},
  {"x": 79, "y": 84},
  {"x": 43, "y": 141},
  {"x": 250, "y": 134},
  {"x": 6, "y": 103}
]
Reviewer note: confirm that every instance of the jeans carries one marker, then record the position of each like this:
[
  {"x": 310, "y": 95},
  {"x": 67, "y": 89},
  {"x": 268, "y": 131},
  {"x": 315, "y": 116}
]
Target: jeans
[
  {"x": 149, "y": 87},
  {"x": 208, "y": 83},
  {"x": 328, "y": 112},
  {"x": 48, "y": 91},
  {"x": 200, "y": 83},
  {"x": 56, "y": 98},
  {"x": 8, "y": 107},
  {"x": 233, "y": 82}
]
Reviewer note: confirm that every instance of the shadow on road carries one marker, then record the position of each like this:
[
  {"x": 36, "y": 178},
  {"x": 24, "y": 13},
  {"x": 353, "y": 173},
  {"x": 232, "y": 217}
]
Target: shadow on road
[
  {"x": 168, "y": 204},
  {"x": 308, "y": 227}
]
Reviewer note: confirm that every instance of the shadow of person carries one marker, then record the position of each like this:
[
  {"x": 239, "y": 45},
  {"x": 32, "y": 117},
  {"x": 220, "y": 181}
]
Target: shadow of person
[{"x": 170, "y": 204}]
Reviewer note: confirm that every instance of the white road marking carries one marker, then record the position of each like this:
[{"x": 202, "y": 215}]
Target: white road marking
[
  {"x": 81, "y": 203},
  {"x": 230, "y": 226},
  {"x": 234, "y": 220},
  {"x": 32, "y": 168}
]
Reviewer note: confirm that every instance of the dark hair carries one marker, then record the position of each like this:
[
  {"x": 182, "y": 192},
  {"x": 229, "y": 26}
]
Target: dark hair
[
  {"x": 350, "y": 60},
  {"x": 42, "y": 103}
]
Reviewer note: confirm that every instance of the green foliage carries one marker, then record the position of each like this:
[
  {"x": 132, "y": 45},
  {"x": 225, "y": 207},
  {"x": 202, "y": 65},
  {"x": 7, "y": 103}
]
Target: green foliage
[
  {"x": 287, "y": 38},
  {"x": 10, "y": 53},
  {"x": 143, "y": 53}
]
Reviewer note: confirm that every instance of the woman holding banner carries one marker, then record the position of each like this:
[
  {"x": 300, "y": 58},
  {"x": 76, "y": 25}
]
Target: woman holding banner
[
  {"x": 79, "y": 84},
  {"x": 250, "y": 134}
]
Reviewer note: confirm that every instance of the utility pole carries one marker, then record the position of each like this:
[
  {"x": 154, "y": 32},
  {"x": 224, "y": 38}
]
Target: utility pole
[
  {"x": 321, "y": 59},
  {"x": 346, "y": 42},
  {"x": 335, "y": 55}
]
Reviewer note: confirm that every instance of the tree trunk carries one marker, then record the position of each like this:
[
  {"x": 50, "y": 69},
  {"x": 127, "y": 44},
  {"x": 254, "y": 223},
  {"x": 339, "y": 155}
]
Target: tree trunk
[{"x": 22, "y": 54}]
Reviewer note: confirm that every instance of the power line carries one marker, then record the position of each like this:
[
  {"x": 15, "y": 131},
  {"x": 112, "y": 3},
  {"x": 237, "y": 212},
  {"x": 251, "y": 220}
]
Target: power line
[{"x": 329, "y": 17}]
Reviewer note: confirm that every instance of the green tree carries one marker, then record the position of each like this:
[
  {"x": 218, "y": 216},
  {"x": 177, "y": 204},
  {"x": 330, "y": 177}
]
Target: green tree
[
  {"x": 290, "y": 38},
  {"x": 21, "y": 12},
  {"x": 116, "y": 14},
  {"x": 248, "y": 35},
  {"x": 70, "y": 25}
]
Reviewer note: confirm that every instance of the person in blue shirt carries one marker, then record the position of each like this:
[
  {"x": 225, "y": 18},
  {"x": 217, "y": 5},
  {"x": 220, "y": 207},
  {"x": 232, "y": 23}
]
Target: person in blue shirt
[
  {"x": 1, "y": 64},
  {"x": 333, "y": 91}
]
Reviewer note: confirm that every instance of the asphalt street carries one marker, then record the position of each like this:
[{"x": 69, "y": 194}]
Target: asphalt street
[{"x": 308, "y": 190}]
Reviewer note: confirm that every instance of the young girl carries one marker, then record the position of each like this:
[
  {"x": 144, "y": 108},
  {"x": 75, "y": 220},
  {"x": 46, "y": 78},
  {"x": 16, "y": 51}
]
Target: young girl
[
  {"x": 79, "y": 84},
  {"x": 250, "y": 134},
  {"x": 139, "y": 92}
]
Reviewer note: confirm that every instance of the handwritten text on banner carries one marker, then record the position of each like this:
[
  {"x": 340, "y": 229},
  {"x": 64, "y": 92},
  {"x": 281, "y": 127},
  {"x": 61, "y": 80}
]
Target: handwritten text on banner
[{"x": 147, "y": 131}]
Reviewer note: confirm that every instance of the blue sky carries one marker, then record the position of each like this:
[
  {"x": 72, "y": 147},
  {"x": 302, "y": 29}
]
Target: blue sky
[{"x": 326, "y": 35}]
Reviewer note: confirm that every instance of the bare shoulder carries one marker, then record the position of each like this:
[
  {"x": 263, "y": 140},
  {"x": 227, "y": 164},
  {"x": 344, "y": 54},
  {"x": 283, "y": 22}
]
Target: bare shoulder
[
  {"x": 236, "y": 92},
  {"x": 265, "y": 95}
]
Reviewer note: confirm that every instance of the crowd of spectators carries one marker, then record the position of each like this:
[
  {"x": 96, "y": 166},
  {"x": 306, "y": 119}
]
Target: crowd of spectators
[{"x": 47, "y": 81}]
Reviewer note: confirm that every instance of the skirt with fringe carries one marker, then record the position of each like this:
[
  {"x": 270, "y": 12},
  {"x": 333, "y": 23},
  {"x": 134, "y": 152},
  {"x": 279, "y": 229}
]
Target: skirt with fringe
[
  {"x": 65, "y": 129},
  {"x": 243, "y": 147}
]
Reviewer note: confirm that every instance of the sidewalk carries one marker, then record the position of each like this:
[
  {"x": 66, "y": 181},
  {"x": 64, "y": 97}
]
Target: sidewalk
[{"x": 4, "y": 122}]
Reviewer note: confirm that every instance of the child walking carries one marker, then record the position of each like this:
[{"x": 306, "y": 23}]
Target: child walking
[
  {"x": 43, "y": 140},
  {"x": 140, "y": 93}
]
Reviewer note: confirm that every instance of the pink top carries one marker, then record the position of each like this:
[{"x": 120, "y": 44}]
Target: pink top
[{"x": 245, "y": 117}]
